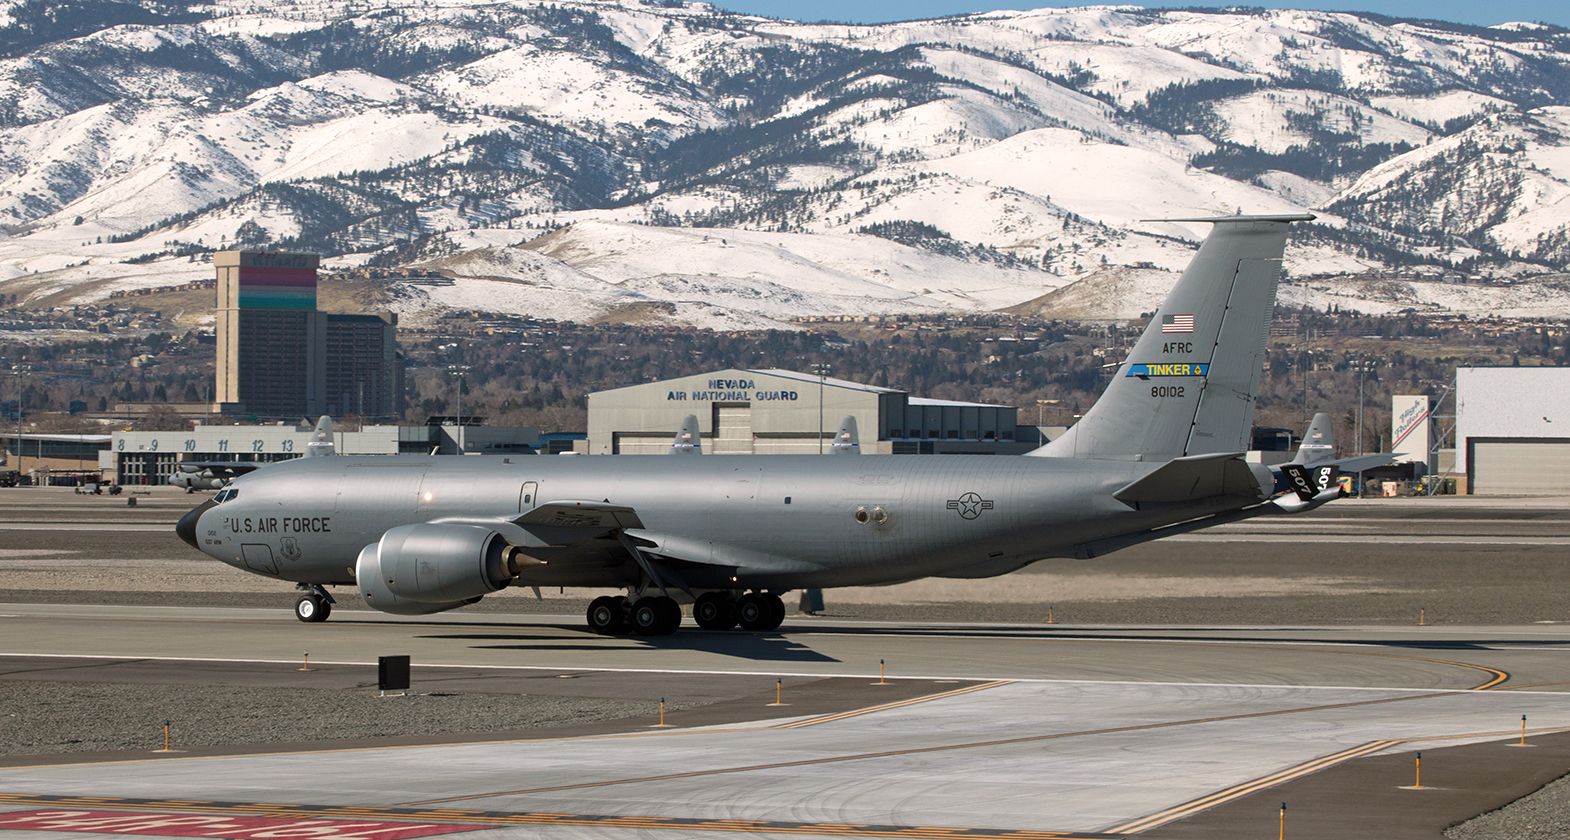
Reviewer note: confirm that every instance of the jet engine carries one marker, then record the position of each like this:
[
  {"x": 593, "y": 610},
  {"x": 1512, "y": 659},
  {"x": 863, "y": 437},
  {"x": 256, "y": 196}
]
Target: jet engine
[{"x": 427, "y": 568}]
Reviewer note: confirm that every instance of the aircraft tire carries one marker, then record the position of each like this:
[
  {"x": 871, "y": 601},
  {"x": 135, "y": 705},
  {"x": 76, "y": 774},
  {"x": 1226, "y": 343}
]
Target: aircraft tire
[
  {"x": 752, "y": 611},
  {"x": 776, "y": 611},
  {"x": 670, "y": 616},
  {"x": 607, "y": 615},
  {"x": 715, "y": 611},
  {"x": 312, "y": 609},
  {"x": 648, "y": 617}
]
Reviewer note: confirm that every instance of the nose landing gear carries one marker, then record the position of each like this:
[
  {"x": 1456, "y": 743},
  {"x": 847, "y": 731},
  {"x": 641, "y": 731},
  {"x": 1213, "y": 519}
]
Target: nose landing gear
[{"x": 315, "y": 605}]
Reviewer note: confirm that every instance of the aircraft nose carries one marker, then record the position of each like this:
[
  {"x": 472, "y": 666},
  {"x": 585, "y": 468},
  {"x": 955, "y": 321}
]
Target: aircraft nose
[{"x": 186, "y": 527}]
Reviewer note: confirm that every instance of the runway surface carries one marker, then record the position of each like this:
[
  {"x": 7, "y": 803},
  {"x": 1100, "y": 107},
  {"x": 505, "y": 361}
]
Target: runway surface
[
  {"x": 1416, "y": 657},
  {"x": 1374, "y": 561},
  {"x": 1044, "y": 729}
]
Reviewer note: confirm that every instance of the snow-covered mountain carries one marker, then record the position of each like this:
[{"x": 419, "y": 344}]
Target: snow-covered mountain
[{"x": 656, "y": 160}]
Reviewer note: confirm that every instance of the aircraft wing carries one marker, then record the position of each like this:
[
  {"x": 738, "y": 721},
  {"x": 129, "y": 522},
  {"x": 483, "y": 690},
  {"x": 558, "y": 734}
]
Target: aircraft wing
[
  {"x": 558, "y": 524},
  {"x": 220, "y": 469},
  {"x": 585, "y": 532}
]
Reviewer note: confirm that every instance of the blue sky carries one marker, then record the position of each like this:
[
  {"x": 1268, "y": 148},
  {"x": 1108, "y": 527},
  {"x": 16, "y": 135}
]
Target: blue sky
[{"x": 873, "y": 11}]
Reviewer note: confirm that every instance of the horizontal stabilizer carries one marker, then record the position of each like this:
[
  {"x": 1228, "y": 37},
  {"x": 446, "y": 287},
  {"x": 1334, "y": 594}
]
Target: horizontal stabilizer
[
  {"x": 1194, "y": 477},
  {"x": 1358, "y": 463}
]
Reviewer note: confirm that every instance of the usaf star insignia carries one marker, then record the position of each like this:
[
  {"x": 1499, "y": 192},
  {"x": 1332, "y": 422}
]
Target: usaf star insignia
[{"x": 970, "y": 505}]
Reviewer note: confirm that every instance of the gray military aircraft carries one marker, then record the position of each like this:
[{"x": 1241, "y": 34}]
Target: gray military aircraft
[
  {"x": 209, "y": 475},
  {"x": 1161, "y": 453}
]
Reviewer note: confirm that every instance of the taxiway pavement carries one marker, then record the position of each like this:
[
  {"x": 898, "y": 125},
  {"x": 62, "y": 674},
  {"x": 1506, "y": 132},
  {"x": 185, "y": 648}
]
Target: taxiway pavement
[{"x": 1045, "y": 728}]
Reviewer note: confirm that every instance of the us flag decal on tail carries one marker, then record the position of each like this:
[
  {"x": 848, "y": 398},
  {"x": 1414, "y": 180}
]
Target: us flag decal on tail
[{"x": 1177, "y": 323}]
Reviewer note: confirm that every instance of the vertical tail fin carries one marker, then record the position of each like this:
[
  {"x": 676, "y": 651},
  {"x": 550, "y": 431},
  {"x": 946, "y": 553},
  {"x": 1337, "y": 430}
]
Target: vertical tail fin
[
  {"x": 847, "y": 441},
  {"x": 1319, "y": 442},
  {"x": 1190, "y": 384},
  {"x": 321, "y": 439},
  {"x": 688, "y": 441}
]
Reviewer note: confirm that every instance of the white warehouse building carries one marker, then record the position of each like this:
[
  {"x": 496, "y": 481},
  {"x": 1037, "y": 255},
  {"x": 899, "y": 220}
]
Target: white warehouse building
[
  {"x": 147, "y": 457},
  {"x": 1513, "y": 429},
  {"x": 777, "y": 412}
]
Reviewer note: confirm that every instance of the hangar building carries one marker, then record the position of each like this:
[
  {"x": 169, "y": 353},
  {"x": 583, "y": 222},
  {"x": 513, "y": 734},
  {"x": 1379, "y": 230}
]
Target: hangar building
[
  {"x": 777, "y": 412},
  {"x": 1513, "y": 429},
  {"x": 149, "y": 457}
]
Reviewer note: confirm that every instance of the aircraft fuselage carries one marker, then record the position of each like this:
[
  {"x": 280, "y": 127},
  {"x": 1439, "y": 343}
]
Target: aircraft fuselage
[{"x": 776, "y": 522}]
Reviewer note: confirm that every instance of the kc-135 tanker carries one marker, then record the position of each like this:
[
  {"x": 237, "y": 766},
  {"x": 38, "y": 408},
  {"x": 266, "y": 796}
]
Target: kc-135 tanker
[{"x": 1162, "y": 452}]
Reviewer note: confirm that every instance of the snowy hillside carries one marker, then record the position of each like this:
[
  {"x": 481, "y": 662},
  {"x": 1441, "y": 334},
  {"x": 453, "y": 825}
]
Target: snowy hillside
[{"x": 594, "y": 159}]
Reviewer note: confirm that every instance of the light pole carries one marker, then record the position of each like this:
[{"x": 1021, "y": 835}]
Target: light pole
[
  {"x": 16, "y": 373},
  {"x": 822, "y": 370},
  {"x": 459, "y": 371},
  {"x": 1362, "y": 373},
  {"x": 1041, "y": 408}
]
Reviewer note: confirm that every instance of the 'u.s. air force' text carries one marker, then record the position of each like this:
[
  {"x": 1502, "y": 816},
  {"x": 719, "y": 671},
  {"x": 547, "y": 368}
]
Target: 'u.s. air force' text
[{"x": 278, "y": 524}]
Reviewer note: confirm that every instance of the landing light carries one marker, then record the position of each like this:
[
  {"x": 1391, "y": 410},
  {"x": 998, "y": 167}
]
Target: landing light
[{"x": 429, "y": 496}]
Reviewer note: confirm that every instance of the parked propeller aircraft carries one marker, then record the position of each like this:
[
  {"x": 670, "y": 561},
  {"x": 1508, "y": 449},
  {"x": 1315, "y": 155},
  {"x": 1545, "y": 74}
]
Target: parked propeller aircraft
[
  {"x": 1161, "y": 453},
  {"x": 209, "y": 475}
]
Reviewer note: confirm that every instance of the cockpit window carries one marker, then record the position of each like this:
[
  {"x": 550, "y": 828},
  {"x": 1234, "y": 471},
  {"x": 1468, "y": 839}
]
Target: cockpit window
[{"x": 226, "y": 494}]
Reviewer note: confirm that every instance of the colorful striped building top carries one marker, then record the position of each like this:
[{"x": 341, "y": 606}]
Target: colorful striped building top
[{"x": 277, "y": 287}]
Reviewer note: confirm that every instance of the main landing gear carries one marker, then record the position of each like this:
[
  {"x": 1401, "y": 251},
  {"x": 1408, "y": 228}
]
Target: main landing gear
[
  {"x": 651, "y": 615},
  {"x": 754, "y": 611},
  {"x": 315, "y": 605},
  {"x": 659, "y": 615}
]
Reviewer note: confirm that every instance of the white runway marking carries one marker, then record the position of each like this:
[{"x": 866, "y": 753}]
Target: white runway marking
[
  {"x": 713, "y": 672},
  {"x": 1342, "y": 522},
  {"x": 1383, "y": 539},
  {"x": 78, "y": 526}
]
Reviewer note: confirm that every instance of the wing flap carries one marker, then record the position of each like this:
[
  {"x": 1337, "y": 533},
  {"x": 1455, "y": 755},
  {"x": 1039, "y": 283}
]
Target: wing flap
[{"x": 581, "y": 514}]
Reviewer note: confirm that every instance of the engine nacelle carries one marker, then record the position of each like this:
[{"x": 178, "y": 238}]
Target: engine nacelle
[{"x": 423, "y": 569}]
